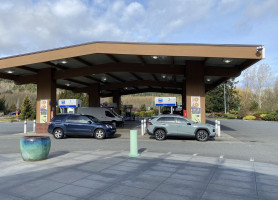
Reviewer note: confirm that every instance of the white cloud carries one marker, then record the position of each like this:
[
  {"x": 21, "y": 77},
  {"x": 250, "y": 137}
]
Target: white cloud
[{"x": 30, "y": 25}]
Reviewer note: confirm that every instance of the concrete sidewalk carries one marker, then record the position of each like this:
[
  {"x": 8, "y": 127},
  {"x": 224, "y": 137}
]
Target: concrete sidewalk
[{"x": 113, "y": 175}]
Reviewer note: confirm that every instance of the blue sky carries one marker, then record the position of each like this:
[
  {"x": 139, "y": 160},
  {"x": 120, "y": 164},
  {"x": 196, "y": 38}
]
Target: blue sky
[{"x": 33, "y": 25}]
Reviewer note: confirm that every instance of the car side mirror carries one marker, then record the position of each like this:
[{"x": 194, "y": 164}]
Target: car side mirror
[
  {"x": 89, "y": 122},
  {"x": 188, "y": 123}
]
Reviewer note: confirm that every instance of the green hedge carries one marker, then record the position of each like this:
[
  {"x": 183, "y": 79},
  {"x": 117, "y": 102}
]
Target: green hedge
[{"x": 271, "y": 116}]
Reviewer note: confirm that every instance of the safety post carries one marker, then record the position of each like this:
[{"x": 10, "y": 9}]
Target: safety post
[
  {"x": 145, "y": 125},
  {"x": 25, "y": 126},
  {"x": 142, "y": 127},
  {"x": 218, "y": 127},
  {"x": 133, "y": 144},
  {"x": 34, "y": 126}
]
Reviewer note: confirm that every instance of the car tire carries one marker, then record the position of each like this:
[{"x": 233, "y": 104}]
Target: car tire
[
  {"x": 160, "y": 134},
  {"x": 58, "y": 133},
  {"x": 99, "y": 134},
  {"x": 202, "y": 135}
]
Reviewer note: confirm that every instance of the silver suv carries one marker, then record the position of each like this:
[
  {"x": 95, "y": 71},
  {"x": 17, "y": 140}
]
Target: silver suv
[{"x": 176, "y": 125}]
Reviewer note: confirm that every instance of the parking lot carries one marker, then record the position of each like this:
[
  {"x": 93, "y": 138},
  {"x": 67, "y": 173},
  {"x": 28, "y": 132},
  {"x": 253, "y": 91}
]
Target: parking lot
[
  {"x": 241, "y": 164},
  {"x": 244, "y": 140}
]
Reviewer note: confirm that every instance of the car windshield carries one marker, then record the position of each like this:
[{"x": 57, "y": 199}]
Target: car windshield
[
  {"x": 114, "y": 113},
  {"x": 93, "y": 118}
]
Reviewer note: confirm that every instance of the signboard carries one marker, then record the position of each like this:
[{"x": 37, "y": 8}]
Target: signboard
[
  {"x": 43, "y": 111},
  {"x": 195, "y": 108},
  {"x": 165, "y": 101},
  {"x": 69, "y": 103}
]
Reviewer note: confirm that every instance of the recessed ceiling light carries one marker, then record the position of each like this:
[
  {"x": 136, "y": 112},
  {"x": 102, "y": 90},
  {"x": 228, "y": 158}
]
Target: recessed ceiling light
[
  {"x": 227, "y": 60},
  {"x": 10, "y": 71},
  {"x": 68, "y": 84},
  {"x": 163, "y": 75},
  {"x": 104, "y": 79},
  {"x": 64, "y": 61},
  {"x": 155, "y": 57},
  {"x": 126, "y": 88},
  {"x": 208, "y": 79}
]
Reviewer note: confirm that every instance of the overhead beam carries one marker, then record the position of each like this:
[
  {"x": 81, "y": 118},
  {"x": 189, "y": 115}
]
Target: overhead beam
[
  {"x": 136, "y": 76},
  {"x": 7, "y": 76},
  {"x": 126, "y": 92},
  {"x": 112, "y": 58},
  {"x": 57, "y": 66},
  {"x": 21, "y": 80},
  {"x": 113, "y": 86},
  {"x": 115, "y": 77},
  {"x": 155, "y": 77},
  {"x": 28, "y": 69},
  {"x": 94, "y": 79},
  {"x": 222, "y": 71},
  {"x": 141, "y": 59},
  {"x": 121, "y": 67},
  {"x": 76, "y": 81},
  {"x": 83, "y": 61}
]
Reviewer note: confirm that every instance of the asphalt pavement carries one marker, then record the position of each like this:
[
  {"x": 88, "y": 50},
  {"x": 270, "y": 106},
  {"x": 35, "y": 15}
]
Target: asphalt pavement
[
  {"x": 8, "y": 128},
  {"x": 243, "y": 140}
]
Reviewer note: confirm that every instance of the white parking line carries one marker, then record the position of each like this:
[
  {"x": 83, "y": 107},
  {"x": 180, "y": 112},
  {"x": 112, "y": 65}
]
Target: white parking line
[
  {"x": 221, "y": 156},
  {"x": 195, "y": 154},
  {"x": 251, "y": 159}
]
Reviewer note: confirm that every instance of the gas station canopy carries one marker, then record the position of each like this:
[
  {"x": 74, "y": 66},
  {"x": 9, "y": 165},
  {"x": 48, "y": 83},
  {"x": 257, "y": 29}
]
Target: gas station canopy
[{"x": 129, "y": 68}]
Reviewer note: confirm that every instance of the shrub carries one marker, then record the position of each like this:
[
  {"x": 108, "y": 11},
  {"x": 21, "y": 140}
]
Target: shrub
[
  {"x": 263, "y": 115},
  {"x": 271, "y": 116},
  {"x": 218, "y": 115},
  {"x": 137, "y": 114},
  {"x": 149, "y": 113},
  {"x": 249, "y": 117},
  {"x": 142, "y": 113},
  {"x": 230, "y": 116},
  {"x": 233, "y": 111}
]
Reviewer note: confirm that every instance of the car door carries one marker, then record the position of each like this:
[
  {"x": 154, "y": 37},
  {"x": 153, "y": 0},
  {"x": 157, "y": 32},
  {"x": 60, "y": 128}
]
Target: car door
[
  {"x": 185, "y": 127},
  {"x": 169, "y": 123},
  {"x": 72, "y": 125},
  {"x": 86, "y": 125}
]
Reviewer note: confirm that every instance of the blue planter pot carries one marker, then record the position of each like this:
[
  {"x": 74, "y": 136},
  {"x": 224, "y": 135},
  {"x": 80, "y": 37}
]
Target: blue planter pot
[{"x": 35, "y": 148}]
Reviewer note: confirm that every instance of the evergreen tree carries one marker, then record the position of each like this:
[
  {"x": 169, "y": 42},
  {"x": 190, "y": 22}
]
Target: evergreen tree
[
  {"x": 143, "y": 107},
  {"x": 215, "y": 98},
  {"x": 26, "y": 109},
  {"x": 2, "y": 104},
  {"x": 13, "y": 108}
]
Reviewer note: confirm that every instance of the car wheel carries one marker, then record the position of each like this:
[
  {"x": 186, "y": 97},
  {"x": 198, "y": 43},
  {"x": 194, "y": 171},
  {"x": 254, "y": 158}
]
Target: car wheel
[
  {"x": 160, "y": 134},
  {"x": 114, "y": 124},
  {"x": 99, "y": 134},
  {"x": 58, "y": 133},
  {"x": 202, "y": 135}
]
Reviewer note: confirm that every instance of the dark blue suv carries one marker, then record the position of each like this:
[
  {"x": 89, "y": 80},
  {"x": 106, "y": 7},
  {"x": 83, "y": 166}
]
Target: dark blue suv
[{"x": 79, "y": 125}]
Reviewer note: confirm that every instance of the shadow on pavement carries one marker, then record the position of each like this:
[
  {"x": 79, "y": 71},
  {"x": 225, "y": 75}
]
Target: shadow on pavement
[{"x": 113, "y": 175}]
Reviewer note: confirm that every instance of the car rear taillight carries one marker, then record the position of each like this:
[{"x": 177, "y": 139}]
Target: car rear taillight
[
  {"x": 49, "y": 123},
  {"x": 149, "y": 123}
]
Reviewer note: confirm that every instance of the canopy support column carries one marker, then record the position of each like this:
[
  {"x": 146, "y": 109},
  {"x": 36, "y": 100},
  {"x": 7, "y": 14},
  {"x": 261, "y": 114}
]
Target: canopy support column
[
  {"x": 94, "y": 95},
  {"x": 46, "y": 99},
  {"x": 195, "y": 91},
  {"x": 117, "y": 100}
]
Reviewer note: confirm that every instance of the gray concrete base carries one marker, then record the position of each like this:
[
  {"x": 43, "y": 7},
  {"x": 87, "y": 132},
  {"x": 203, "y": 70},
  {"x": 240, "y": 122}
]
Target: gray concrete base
[{"x": 113, "y": 175}]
